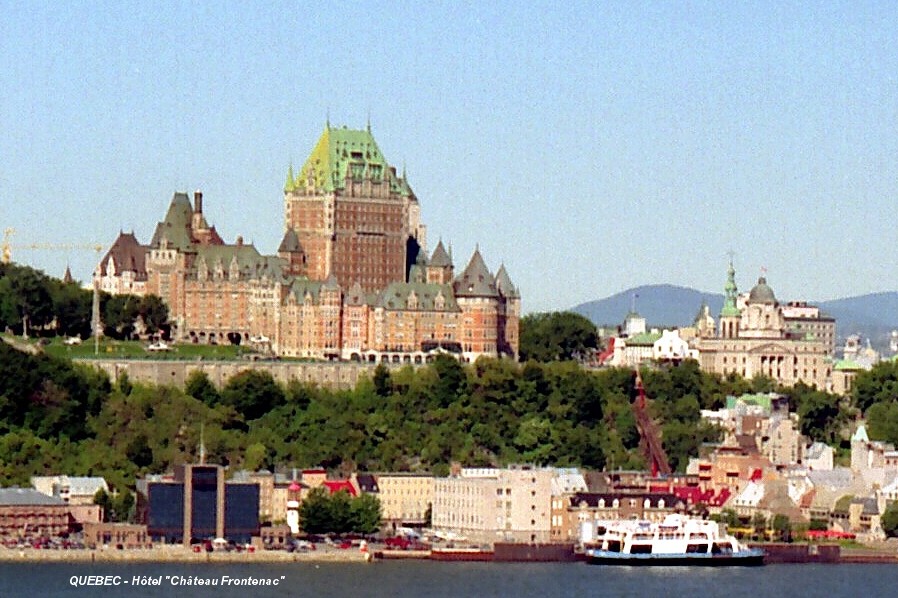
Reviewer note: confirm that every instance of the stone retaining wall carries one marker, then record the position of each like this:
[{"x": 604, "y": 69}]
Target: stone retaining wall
[{"x": 341, "y": 375}]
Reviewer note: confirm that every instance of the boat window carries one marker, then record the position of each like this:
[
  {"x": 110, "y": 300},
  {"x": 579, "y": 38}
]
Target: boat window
[{"x": 641, "y": 549}]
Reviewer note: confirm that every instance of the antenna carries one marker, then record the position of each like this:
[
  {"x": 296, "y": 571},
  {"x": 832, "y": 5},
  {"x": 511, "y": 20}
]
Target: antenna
[{"x": 202, "y": 444}]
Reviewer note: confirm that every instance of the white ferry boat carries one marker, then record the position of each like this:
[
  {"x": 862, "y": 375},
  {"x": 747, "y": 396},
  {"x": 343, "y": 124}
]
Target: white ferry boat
[{"x": 678, "y": 540}]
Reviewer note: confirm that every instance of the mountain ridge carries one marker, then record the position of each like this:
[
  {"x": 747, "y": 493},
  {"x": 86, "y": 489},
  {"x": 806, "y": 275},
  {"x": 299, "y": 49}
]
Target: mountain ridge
[{"x": 873, "y": 316}]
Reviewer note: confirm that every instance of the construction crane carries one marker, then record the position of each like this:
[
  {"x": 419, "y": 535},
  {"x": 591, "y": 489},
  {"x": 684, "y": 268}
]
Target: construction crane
[
  {"x": 6, "y": 258},
  {"x": 649, "y": 434}
]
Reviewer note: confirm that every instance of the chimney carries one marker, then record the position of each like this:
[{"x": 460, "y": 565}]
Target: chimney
[{"x": 198, "y": 201}]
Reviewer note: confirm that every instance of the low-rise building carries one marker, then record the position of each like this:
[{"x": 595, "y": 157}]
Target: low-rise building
[
  {"x": 26, "y": 513},
  {"x": 406, "y": 499},
  {"x": 570, "y": 512},
  {"x": 486, "y": 505},
  {"x": 73, "y": 490}
]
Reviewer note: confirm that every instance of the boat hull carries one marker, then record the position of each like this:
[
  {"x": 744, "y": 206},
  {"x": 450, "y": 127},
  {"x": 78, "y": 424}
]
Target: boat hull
[{"x": 749, "y": 558}]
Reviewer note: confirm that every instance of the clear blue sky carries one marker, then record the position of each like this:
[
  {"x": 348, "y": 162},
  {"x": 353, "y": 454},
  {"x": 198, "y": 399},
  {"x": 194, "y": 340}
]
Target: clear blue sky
[{"x": 591, "y": 147}]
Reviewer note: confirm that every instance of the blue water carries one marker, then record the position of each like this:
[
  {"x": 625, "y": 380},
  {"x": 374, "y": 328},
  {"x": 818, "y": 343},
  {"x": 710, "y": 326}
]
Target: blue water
[{"x": 424, "y": 578}]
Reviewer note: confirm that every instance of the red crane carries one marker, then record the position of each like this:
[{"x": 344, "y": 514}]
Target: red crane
[{"x": 649, "y": 434}]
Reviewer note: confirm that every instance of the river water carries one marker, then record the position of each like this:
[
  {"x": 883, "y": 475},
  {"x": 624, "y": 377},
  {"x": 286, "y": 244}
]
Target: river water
[{"x": 426, "y": 578}]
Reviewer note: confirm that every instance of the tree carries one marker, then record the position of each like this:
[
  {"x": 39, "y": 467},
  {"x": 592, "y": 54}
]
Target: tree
[
  {"x": 383, "y": 385},
  {"x": 729, "y": 518},
  {"x": 759, "y": 525},
  {"x": 366, "y": 514},
  {"x": 314, "y": 512},
  {"x": 782, "y": 527},
  {"x": 253, "y": 393},
  {"x": 557, "y": 336},
  {"x": 201, "y": 388},
  {"x": 25, "y": 300},
  {"x": 154, "y": 312},
  {"x": 889, "y": 521},
  {"x": 878, "y": 385}
]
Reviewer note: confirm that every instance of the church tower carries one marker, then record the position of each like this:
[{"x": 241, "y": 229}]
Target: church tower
[{"x": 729, "y": 313}]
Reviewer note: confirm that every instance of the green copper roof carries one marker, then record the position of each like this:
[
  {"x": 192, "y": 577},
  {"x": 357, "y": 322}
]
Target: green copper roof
[
  {"x": 730, "y": 293},
  {"x": 847, "y": 365},
  {"x": 342, "y": 152},
  {"x": 646, "y": 338}
]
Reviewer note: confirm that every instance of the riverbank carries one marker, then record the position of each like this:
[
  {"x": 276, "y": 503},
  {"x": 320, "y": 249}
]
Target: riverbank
[{"x": 179, "y": 554}]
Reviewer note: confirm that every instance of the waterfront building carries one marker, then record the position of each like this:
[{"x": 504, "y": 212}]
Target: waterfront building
[
  {"x": 198, "y": 504},
  {"x": 571, "y": 511},
  {"x": 351, "y": 279},
  {"x": 487, "y": 505},
  {"x": 26, "y": 513},
  {"x": 126, "y": 535},
  {"x": 405, "y": 498}
]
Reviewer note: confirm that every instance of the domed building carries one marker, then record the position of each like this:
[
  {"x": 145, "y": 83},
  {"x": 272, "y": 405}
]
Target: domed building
[{"x": 757, "y": 335}]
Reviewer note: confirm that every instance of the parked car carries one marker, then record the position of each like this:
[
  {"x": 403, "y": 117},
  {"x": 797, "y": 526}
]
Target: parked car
[
  {"x": 158, "y": 346},
  {"x": 72, "y": 340}
]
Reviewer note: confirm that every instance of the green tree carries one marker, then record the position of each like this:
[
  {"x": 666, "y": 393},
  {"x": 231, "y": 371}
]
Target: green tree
[
  {"x": 556, "y": 336},
  {"x": 252, "y": 393},
  {"x": 729, "y": 518},
  {"x": 154, "y": 313},
  {"x": 200, "y": 387},
  {"x": 889, "y": 521},
  {"x": 366, "y": 514},
  {"x": 782, "y": 527},
  {"x": 759, "y": 525},
  {"x": 878, "y": 385},
  {"x": 383, "y": 385},
  {"x": 315, "y": 512},
  {"x": 25, "y": 299}
]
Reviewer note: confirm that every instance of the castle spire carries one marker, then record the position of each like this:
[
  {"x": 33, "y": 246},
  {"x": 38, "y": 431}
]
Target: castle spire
[{"x": 290, "y": 185}]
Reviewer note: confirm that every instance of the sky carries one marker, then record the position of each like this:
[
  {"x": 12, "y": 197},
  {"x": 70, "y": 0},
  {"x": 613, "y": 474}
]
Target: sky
[{"x": 590, "y": 147}]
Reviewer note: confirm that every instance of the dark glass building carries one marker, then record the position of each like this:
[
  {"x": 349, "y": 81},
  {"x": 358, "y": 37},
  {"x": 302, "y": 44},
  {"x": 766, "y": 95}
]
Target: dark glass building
[{"x": 198, "y": 505}]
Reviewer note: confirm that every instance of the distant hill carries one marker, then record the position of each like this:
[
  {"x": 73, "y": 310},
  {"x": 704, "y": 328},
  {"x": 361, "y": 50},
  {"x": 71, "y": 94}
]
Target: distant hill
[{"x": 872, "y": 316}]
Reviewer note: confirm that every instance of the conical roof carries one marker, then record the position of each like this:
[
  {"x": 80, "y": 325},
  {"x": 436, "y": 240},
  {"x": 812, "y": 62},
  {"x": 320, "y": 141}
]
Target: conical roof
[
  {"x": 290, "y": 243},
  {"x": 176, "y": 226},
  {"x": 440, "y": 259},
  {"x": 504, "y": 284},
  {"x": 476, "y": 280}
]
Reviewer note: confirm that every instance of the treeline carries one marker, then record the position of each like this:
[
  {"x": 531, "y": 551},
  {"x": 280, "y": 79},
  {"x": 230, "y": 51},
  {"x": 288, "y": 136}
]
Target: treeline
[
  {"x": 38, "y": 305},
  {"x": 56, "y": 416}
]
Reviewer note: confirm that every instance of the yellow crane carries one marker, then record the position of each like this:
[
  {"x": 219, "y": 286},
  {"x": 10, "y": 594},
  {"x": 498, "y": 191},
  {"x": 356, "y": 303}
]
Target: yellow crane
[{"x": 6, "y": 257}]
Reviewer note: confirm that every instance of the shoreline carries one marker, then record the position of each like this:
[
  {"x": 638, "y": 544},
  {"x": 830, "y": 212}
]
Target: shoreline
[
  {"x": 179, "y": 555},
  {"x": 175, "y": 554}
]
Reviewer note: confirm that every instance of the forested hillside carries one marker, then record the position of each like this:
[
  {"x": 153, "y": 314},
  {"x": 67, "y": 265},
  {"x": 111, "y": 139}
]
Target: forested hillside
[{"x": 60, "y": 417}]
